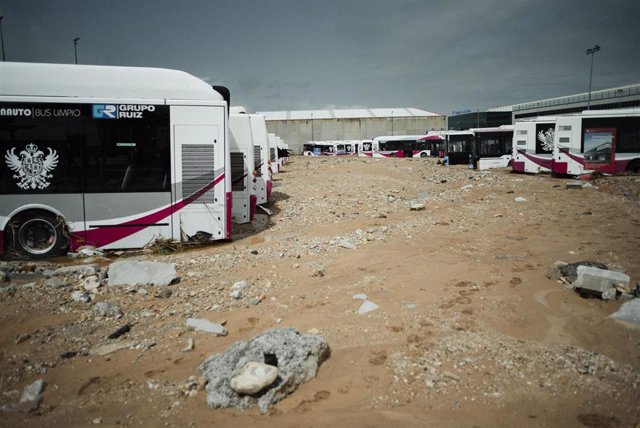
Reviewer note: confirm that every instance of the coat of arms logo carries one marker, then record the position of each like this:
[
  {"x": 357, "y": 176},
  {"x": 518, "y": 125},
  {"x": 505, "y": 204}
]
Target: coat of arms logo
[
  {"x": 546, "y": 138},
  {"x": 32, "y": 166}
]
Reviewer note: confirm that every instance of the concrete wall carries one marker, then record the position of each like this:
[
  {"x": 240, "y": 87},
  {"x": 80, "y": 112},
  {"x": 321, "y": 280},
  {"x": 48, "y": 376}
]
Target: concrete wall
[{"x": 297, "y": 132}]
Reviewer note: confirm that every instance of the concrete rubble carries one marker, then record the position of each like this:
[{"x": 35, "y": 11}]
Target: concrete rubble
[
  {"x": 628, "y": 312},
  {"x": 599, "y": 282},
  {"x": 296, "y": 355},
  {"x": 141, "y": 273},
  {"x": 207, "y": 326}
]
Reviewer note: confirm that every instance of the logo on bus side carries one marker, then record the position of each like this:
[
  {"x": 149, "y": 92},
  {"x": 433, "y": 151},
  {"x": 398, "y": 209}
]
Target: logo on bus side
[
  {"x": 546, "y": 138},
  {"x": 105, "y": 111},
  {"x": 122, "y": 111},
  {"x": 32, "y": 166}
]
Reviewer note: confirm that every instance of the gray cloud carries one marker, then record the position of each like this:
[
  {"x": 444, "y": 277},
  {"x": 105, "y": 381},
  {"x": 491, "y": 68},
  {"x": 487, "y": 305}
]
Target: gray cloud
[{"x": 303, "y": 54}]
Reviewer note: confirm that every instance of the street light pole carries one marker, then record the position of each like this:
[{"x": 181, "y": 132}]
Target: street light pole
[
  {"x": 2, "y": 39},
  {"x": 75, "y": 47},
  {"x": 591, "y": 52},
  {"x": 392, "y": 122}
]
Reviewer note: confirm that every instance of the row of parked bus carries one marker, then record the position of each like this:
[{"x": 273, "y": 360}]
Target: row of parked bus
[
  {"x": 117, "y": 157},
  {"x": 255, "y": 155},
  {"x": 606, "y": 141}
]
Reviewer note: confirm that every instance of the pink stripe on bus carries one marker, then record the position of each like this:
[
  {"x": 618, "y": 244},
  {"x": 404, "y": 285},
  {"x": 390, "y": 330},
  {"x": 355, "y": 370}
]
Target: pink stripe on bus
[{"x": 102, "y": 236}]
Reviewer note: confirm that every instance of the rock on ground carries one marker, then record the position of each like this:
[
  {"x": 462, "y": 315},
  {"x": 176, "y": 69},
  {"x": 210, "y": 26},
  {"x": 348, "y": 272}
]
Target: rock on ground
[
  {"x": 296, "y": 355},
  {"x": 628, "y": 312},
  {"x": 254, "y": 377},
  {"x": 141, "y": 273}
]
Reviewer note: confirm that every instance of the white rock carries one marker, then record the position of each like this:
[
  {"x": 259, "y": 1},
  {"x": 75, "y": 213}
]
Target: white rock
[
  {"x": 628, "y": 312},
  {"x": 360, "y": 296},
  {"x": 346, "y": 244},
  {"x": 33, "y": 392},
  {"x": 91, "y": 283},
  {"x": 110, "y": 348},
  {"x": 366, "y": 307},
  {"x": 190, "y": 345},
  {"x": 208, "y": 326},
  {"x": 417, "y": 207},
  {"x": 253, "y": 378},
  {"x": 240, "y": 285},
  {"x": 80, "y": 296},
  {"x": 520, "y": 199}
]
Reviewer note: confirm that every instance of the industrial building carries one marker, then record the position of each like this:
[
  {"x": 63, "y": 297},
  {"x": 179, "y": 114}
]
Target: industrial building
[
  {"x": 298, "y": 127},
  {"x": 612, "y": 98}
]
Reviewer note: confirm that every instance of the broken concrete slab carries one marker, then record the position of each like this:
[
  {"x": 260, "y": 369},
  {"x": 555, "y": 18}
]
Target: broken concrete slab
[
  {"x": 569, "y": 271},
  {"x": 208, "y": 326},
  {"x": 141, "y": 273},
  {"x": 81, "y": 270},
  {"x": 296, "y": 355},
  {"x": 601, "y": 282},
  {"x": 628, "y": 312},
  {"x": 367, "y": 307},
  {"x": 110, "y": 348}
]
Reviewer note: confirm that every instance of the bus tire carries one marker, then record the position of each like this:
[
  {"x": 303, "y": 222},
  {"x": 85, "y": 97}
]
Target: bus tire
[
  {"x": 37, "y": 235},
  {"x": 423, "y": 155},
  {"x": 634, "y": 166}
]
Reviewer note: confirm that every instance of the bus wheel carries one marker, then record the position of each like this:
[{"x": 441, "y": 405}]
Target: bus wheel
[
  {"x": 37, "y": 234},
  {"x": 423, "y": 155},
  {"x": 634, "y": 167}
]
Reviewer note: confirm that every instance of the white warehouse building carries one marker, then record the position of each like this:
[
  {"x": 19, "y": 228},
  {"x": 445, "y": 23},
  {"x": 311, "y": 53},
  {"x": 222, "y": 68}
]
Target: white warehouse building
[{"x": 298, "y": 127}]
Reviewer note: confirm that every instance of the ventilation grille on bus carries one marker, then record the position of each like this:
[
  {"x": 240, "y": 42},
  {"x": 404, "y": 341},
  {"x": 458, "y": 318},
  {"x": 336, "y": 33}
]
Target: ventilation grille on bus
[
  {"x": 257, "y": 159},
  {"x": 197, "y": 171},
  {"x": 273, "y": 155},
  {"x": 237, "y": 172}
]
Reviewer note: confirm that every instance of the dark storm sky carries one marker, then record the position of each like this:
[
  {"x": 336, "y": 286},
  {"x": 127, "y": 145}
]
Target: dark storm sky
[{"x": 313, "y": 54}]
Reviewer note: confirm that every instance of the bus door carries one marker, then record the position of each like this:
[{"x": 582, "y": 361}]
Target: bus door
[{"x": 599, "y": 148}]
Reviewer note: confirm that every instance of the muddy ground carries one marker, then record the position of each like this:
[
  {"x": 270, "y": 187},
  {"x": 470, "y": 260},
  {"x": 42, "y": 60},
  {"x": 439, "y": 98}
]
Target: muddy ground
[{"x": 470, "y": 330}]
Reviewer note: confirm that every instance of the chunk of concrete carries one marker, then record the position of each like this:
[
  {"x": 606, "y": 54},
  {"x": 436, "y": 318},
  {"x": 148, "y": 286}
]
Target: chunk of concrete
[
  {"x": 367, "y": 307},
  {"x": 208, "y": 326},
  {"x": 628, "y": 312},
  {"x": 297, "y": 357},
  {"x": 81, "y": 270},
  {"x": 596, "y": 281},
  {"x": 141, "y": 273}
]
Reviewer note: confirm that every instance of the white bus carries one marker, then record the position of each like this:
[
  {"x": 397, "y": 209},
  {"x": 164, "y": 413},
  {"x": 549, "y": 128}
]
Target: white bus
[
  {"x": 408, "y": 146},
  {"x": 533, "y": 145},
  {"x": 113, "y": 157},
  {"x": 605, "y": 141},
  {"x": 243, "y": 168},
  {"x": 492, "y": 147},
  {"x": 365, "y": 148},
  {"x": 317, "y": 148},
  {"x": 273, "y": 153},
  {"x": 261, "y": 159}
]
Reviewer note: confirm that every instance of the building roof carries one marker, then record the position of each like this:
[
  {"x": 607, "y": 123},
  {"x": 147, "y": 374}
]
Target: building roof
[
  {"x": 347, "y": 114},
  {"x": 91, "y": 81},
  {"x": 602, "y": 94}
]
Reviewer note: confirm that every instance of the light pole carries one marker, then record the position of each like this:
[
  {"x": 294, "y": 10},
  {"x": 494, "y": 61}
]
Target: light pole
[
  {"x": 2, "y": 40},
  {"x": 75, "y": 47},
  {"x": 591, "y": 52},
  {"x": 312, "y": 137},
  {"x": 391, "y": 122}
]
